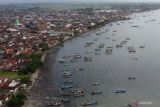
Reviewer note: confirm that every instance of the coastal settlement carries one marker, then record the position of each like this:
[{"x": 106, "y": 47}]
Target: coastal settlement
[{"x": 26, "y": 34}]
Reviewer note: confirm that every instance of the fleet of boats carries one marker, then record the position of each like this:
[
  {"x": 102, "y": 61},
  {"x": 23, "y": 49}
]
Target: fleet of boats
[{"x": 67, "y": 88}]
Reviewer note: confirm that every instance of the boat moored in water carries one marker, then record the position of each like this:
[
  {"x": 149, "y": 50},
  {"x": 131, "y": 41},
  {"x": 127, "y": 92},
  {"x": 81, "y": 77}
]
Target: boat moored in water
[
  {"x": 66, "y": 94},
  {"x": 141, "y": 47},
  {"x": 89, "y": 103},
  {"x": 131, "y": 78},
  {"x": 56, "y": 102},
  {"x": 96, "y": 83},
  {"x": 101, "y": 45},
  {"x": 127, "y": 38},
  {"x": 120, "y": 91},
  {"x": 67, "y": 74},
  {"x": 65, "y": 100},
  {"x": 87, "y": 59},
  {"x": 96, "y": 92},
  {"x": 131, "y": 49},
  {"x": 119, "y": 46},
  {"x": 61, "y": 60},
  {"x": 68, "y": 81},
  {"x": 66, "y": 86},
  {"x": 76, "y": 56},
  {"x": 78, "y": 92}
]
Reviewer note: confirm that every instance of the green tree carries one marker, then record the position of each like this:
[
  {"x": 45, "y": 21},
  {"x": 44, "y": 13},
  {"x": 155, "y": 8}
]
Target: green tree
[
  {"x": 31, "y": 66},
  {"x": 44, "y": 46},
  {"x": 25, "y": 80},
  {"x": 17, "y": 100},
  {"x": 61, "y": 40}
]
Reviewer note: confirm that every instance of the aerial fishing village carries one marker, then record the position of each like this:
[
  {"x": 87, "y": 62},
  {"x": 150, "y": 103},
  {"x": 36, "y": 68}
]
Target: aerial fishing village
[{"x": 27, "y": 34}]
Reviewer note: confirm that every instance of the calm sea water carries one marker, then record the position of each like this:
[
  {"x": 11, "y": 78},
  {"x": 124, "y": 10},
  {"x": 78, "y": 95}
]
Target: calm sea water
[{"x": 112, "y": 71}]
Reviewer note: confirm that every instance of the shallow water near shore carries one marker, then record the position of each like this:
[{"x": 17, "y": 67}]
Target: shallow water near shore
[{"x": 112, "y": 71}]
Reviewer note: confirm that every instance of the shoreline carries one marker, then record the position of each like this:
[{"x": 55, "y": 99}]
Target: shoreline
[
  {"x": 35, "y": 75},
  {"x": 33, "y": 78},
  {"x": 42, "y": 87}
]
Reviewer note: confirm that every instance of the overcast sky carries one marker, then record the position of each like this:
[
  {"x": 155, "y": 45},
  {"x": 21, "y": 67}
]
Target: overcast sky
[{"x": 12, "y": 1}]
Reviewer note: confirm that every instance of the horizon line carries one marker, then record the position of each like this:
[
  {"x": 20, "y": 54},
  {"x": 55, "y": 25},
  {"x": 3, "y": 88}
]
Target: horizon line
[{"x": 31, "y": 2}]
